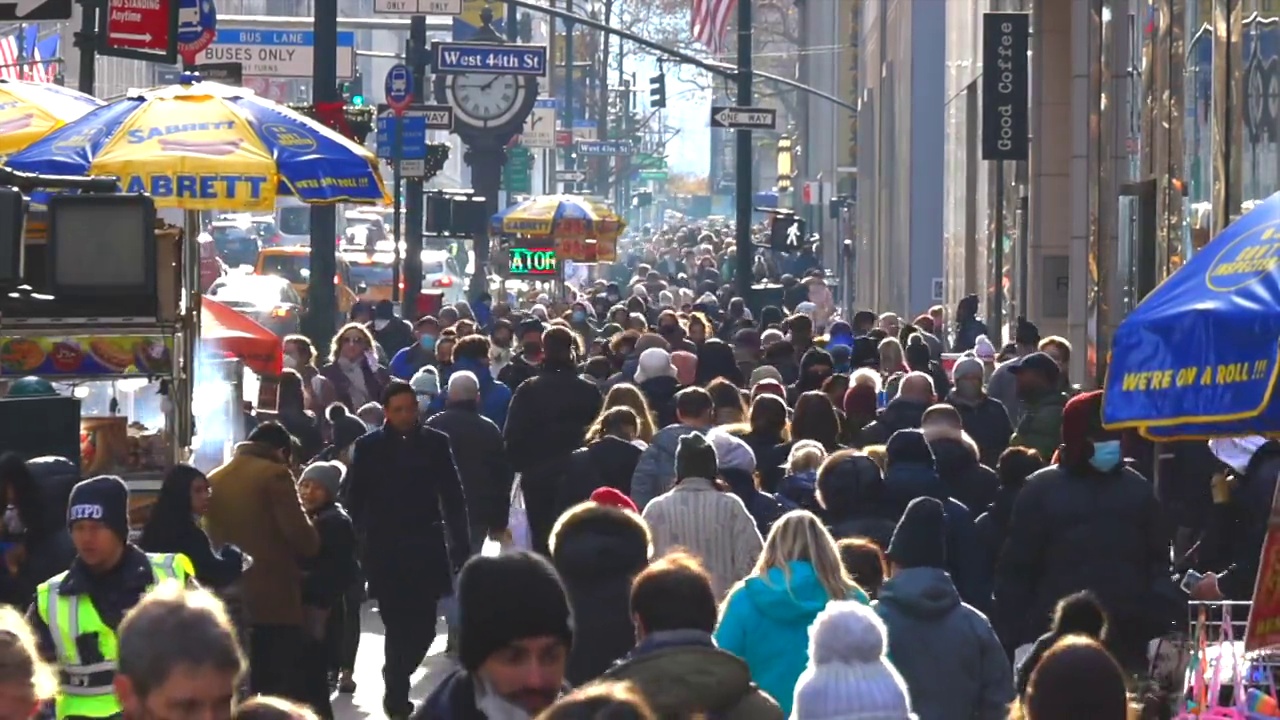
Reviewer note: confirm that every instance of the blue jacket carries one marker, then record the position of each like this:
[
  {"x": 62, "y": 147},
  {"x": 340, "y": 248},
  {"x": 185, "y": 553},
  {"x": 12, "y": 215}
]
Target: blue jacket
[
  {"x": 906, "y": 481},
  {"x": 947, "y": 652},
  {"x": 495, "y": 397},
  {"x": 766, "y": 623}
]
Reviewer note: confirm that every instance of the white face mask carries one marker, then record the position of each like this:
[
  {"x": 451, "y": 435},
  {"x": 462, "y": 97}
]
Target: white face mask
[
  {"x": 380, "y": 324},
  {"x": 291, "y": 362}
]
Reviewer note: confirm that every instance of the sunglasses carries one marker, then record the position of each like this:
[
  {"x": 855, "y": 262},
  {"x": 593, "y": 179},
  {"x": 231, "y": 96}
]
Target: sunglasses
[{"x": 353, "y": 340}]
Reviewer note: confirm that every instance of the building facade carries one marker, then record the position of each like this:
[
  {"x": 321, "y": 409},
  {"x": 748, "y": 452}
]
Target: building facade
[{"x": 898, "y": 248}]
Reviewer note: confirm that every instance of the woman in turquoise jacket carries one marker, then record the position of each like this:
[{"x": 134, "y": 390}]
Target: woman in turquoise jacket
[{"x": 765, "y": 620}]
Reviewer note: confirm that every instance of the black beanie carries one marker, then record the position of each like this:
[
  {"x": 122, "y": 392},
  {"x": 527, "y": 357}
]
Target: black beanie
[
  {"x": 505, "y": 598},
  {"x": 104, "y": 498},
  {"x": 695, "y": 457},
  {"x": 920, "y": 540}
]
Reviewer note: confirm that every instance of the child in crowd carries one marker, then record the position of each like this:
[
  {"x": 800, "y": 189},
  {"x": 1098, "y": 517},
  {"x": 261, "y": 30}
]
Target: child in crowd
[
  {"x": 797, "y": 489},
  {"x": 327, "y": 578}
]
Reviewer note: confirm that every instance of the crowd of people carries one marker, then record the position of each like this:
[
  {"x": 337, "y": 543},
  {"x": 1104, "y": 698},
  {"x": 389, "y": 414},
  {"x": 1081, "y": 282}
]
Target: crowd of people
[{"x": 704, "y": 512}]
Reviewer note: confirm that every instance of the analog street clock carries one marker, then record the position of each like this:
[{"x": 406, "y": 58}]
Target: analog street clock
[{"x": 484, "y": 101}]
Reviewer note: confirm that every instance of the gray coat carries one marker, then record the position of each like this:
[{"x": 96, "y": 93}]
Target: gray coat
[
  {"x": 1003, "y": 386},
  {"x": 481, "y": 459},
  {"x": 656, "y": 470},
  {"x": 947, "y": 652}
]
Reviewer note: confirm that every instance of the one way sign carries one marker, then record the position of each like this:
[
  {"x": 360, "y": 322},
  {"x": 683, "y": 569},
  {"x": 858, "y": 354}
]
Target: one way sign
[
  {"x": 744, "y": 118},
  {"x": 29, "y": 10}
]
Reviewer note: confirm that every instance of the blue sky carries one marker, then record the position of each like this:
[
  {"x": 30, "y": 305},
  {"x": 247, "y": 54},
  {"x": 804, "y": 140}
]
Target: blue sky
[{"x": 688, "y": 109}]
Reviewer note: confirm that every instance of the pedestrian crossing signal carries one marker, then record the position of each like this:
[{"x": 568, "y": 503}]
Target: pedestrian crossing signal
[{"x": 787, "y": 233}]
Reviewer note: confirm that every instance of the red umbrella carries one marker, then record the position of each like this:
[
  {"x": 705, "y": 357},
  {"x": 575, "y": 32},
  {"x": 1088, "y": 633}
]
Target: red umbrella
[{"x": 226, "y": 330}]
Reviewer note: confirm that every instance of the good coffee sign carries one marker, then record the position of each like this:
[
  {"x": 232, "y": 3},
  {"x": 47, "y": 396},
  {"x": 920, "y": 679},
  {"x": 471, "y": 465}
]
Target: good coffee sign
[{"x": 1004, "y": 85}]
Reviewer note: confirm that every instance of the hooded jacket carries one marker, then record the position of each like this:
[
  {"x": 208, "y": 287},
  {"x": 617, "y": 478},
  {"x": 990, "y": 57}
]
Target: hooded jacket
[
  {"x": 656, "y": 469},
  {"x": 1041, "y": 424},
  {"x": 853, "y": 495},
  {"x": 987, "y": 422},
  {"x": 598, "y": 550},
  {"x": 766, "y": 622},
  {"x": 967, "y": 480},
  {"x": 808, "y": 380},
  {"x": 899, "y": 414},
  {"x": 682, "y": 673},
  {"x": 947, "y": 652},
  {"x": 43, "y": 509},
  {"x": 609, "y": 461},
  {"x": 495, "y": 397},
  {"x": 660, "y": 393}
]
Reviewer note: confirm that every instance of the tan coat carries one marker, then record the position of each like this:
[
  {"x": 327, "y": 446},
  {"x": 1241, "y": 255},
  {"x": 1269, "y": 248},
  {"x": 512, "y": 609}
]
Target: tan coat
[{"x": 254, "y": 505}]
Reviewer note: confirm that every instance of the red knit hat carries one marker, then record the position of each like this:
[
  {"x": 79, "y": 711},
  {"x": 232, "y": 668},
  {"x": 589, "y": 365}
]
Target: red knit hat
[
  {"x": 770, "y": 386},
  {"x": 613, "y": 498},
  {"x": 1081, "y": 424}
]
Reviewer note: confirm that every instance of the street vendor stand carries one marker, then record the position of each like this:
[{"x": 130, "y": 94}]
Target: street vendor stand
[
  {"x": 1199, "y": 358},
  {"x": 543, "y": 232}
]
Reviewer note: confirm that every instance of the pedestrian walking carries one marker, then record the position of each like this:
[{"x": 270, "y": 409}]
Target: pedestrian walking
[{"x": 849, "y": 677}]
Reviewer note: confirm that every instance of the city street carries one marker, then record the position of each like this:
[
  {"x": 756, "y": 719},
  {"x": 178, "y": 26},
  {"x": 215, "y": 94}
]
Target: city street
[{"x": 367, "y": 700}]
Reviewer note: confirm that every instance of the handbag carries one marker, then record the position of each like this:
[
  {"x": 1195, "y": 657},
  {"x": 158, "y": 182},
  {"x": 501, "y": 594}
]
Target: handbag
[{"x": 518, "y": 519}]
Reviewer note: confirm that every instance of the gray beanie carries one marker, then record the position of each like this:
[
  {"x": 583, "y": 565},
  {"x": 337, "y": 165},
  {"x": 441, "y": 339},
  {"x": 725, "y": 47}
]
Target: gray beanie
[
  {"x": 967, "y": 366},
  {"x": 327, "y": 475}
]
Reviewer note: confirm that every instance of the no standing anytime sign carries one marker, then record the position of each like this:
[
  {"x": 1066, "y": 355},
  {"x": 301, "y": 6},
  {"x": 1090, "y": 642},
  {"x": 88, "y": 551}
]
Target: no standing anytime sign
[{"x": 146, "y": 27}]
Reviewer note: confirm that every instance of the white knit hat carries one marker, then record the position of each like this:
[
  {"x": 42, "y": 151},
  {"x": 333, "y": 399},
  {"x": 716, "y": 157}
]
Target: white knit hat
[
  {"x": 983, "y": 348},
  {"x": 849, "y": 677},
  {"x": 654, "y": 362}
]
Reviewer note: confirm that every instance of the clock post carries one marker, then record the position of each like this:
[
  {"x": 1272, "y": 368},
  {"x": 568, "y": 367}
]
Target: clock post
[{"x": 492, "y": 87}]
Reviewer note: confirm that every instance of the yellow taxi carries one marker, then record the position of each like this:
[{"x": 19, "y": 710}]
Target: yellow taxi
[
  {"x": 293, "y": 263},
  {"x": 372, "y": 274}
]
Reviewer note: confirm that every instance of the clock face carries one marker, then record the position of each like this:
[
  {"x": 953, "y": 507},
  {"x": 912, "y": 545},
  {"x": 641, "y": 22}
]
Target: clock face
[{"x": 487, "y": 100}]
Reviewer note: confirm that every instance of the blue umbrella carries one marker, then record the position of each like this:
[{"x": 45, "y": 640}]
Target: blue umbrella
[
  {"x": 207, "y": 146},
  {"x": 1200, "y": 356}
]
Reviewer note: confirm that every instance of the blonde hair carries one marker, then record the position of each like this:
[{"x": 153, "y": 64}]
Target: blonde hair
[
  {"x": 878, "y": 453},
  {"x": 615, "y": 700},
  {"x": 20, "y": 661},
  {"x": 625, "y": 395},
  {"x": 893, "y": 348},
  {"x": 865, "y": 376},
  {"x": 335, "y": 346},
  {"x": 806, "y": 455},
  {"x": 800, "y": 536}
]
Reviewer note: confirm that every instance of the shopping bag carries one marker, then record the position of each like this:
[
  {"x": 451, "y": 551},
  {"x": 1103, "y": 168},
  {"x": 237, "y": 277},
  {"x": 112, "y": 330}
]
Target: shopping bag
[{"x": 518, "y": 519}]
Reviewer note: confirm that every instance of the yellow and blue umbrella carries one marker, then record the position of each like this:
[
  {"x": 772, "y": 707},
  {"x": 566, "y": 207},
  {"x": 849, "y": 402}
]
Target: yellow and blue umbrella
[
  {"x": 207, "y": 146},
  {"x": 1200, "y": 356},
  {"x": 29, "y": 111},
  {"x": 563, "y": 217}
]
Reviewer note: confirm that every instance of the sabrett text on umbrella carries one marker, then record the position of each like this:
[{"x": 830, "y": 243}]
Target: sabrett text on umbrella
[
  {"x": 212, "y": 186},
  {"x": 140, "y": 135}
]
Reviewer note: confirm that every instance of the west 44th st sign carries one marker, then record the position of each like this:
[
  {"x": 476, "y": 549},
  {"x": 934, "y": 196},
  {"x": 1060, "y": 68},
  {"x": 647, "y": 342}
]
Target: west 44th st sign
[{"x": 456, "y": 57}]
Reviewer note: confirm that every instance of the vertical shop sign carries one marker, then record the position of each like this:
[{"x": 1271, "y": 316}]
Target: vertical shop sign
[{"x": 1004, "y": 85}]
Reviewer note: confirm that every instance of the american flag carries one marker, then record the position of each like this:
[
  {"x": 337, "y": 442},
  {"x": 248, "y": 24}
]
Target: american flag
[
  {"x": 36, "y": 51},
  {"x": 710, "y": 20}
]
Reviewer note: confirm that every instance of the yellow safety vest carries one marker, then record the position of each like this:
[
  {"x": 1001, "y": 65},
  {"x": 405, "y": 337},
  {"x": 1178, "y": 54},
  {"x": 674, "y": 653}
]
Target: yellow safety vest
[{"x": 86, "y": 689}]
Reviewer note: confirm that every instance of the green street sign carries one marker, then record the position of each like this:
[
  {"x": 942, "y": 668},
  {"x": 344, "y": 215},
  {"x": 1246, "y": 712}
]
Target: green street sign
[
  {"x": 649, "y": 161},
  {"x": 658, "y": 175},
  {"x": 517, "y": 174}
]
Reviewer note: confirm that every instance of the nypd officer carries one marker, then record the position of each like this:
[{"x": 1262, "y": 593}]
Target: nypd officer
[{"x": 76, "y": 613}]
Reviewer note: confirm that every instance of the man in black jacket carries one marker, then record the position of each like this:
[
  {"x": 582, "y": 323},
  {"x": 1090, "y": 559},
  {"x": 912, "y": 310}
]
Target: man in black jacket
[
  {"x": 401, "y": 487},
  {"x": 548, "y": 420},
  {"x": 524, "y": 365}
]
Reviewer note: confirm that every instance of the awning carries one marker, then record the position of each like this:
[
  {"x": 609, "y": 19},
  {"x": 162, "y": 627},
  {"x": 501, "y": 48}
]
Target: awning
[{"x": 224, "y": 329}]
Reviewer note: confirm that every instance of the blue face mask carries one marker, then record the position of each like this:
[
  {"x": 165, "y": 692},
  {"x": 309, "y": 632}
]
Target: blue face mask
[
  {"x": 428, "y": 342},
  {"x": 1106, "y": 456},
  {"x": 579, "y": 316}
]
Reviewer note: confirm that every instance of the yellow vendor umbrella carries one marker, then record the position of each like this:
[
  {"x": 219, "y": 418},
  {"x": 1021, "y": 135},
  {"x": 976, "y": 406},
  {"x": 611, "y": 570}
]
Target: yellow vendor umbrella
[{"x": 31, "y": 110}]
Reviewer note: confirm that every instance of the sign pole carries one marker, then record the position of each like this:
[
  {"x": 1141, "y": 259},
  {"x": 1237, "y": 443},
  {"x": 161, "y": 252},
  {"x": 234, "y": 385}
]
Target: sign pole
[
  {"x": 396, "y": 153},
  {"x": 743, "y": 170}
]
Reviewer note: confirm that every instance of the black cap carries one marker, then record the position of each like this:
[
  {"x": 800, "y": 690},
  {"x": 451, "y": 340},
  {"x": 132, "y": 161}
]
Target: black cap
[
  {"x": 530, "y": 325},
  {"x": 920, "y": 539},
  {"x": 1037, "y": 362}
]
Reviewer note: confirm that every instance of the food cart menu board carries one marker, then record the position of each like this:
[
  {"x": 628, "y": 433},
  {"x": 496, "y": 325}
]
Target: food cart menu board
[{"x": 86, "y": 355}]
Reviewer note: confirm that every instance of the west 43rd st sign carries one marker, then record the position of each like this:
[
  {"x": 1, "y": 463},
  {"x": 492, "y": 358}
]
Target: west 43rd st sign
[
  {"x": 744, "y": 118},
  {"x": 456, "y": 57}
]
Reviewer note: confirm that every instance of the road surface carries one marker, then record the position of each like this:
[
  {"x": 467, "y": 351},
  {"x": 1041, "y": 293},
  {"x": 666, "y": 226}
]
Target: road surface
[{"x": 367, "y": 700}]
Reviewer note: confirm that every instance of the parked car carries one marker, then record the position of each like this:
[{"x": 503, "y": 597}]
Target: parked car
[
  {"x": 268, "y": 300},
  {"x": 441, "y": 272},
  {"x": 293, "y": 263},
  {"x": 372, "y": 275}
]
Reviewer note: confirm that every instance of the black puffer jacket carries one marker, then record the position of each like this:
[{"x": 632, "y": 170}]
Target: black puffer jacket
[
  {"x": 967, "y": 480},
  {"x": 852, "y": 492},
  {"x": 43, "y": 510},
  {"x": 992, "y": 526},
  {"x": 660, "y": 393},
  {"x": 899, "y": 414},
  {"x": 1085, "y": 530},
  {"x": 598, "y": 550},
  {"x": 609, "y": 461},
  {"x": 987, "y": 422}
]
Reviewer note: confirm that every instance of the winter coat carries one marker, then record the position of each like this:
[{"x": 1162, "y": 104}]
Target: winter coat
[
  {"x": 305, "y": 428},
  {"x": 1094, "y": 531},
  {"x": 330, "y": 574},
  {"x": 906, "y": 481},
  {"x": 655, "y": 472},
  {"x": 766, "y": 622},
  {"x": 967, "y": 480},
  {"x": 394, "y": 337},
  {"x": 682, "y": 673},
  {"x": 1041, "y": 425},
  {"x": 254, "y": 505},
  {"x": 516, "y": 372},
  {"x": 404, "y": 494},
  {"x": 1238, "y": 529},
  {"x": 699, "y": 517},
  {"x": 214, "y": 569},
  {"x": 495, "y": 397},
  {"x": 454, "y": 698},
  {"x": 796, "y": 491},
  {"x": 375, "y": 379},
  {"x": 763, "y": 507},
  {"x": 987, "y": 422},
  {"x": 854, "y": 493},
  {"x": 992, "y": 526},
  {"x": 609, "y": 461},
  {"x": 899, "y": 414},
  {"x": 953, "y": 662},
  {"x": 1003, "y": 386},
  {"x": 660, "y": 393},
  {"x": 46, "y": 541},
  {"x": 549, "y": 416},
  {"x": 480, "y": 457},
  {"x": 598, "y": 550},
  {"x": 410, "y": 360}
]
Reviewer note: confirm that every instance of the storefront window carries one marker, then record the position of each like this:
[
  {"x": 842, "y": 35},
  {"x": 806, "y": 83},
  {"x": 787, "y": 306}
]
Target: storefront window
[
  {"x": 1259, "y": 169},
  {"x": 1197, "y": 125}
]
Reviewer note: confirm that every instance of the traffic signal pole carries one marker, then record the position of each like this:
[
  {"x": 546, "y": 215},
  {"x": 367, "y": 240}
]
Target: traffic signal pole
[
  {"x": 743, "y": 176},
  {"x": 322, "y": 301},
  {"x": 413, "y": 198}
]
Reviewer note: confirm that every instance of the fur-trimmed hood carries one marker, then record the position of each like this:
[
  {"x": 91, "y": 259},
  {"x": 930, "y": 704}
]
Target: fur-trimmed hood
[{"x": 591, "y": 540}]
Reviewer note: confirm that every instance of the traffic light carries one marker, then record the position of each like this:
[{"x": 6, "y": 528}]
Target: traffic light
[
  {"x": 353, "y": 90},
  {"x": 658, "y": 91}
]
